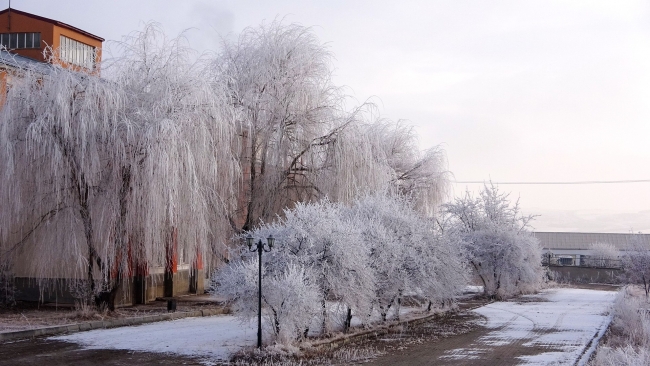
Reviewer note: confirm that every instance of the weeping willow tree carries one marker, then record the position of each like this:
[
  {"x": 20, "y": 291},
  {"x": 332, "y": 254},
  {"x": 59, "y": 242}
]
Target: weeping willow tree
[
  {"x": 382, "y": 155},
  {"x": 298, "y": 142},
  {"x": 101, "y": 175}
]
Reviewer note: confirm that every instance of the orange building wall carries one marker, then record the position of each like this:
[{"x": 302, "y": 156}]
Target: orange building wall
[
  {"x": 3, "y": 85},
  {"x": 61, "y": 31},
  {"x": 21, "y": 23},
  {"x": 50, "y": 34}
]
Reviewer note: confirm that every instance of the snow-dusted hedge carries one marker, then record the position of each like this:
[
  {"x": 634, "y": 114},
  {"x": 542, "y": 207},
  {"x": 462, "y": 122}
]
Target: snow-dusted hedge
[{"x": 363, "y": 258}]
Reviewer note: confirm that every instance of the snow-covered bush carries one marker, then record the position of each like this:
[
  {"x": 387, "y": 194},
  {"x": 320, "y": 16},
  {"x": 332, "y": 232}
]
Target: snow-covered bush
[
  {"x": 331, "y": 262},
  {"x": 501, "y": 251},
  {"x": 628, "y": 340},
  {"x": 317, "y": 236},
  {"x": 625, "y": 356},
  {"x": 407, "y": 255},
  {"x": 293, "y": 302},
  {"x": 291, "y": 299}
]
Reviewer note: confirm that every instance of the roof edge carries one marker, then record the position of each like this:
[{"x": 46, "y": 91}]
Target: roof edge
[{"x": 52, "y": 21}]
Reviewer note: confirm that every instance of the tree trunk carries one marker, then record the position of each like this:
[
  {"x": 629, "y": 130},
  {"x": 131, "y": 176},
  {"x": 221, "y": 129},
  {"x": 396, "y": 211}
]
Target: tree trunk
[
  {"x": 399, "y": 305},
  {"x": 106, "y": 299},
  {"x": 324, "y": 315},
  {"x": 348, "y": 321}
]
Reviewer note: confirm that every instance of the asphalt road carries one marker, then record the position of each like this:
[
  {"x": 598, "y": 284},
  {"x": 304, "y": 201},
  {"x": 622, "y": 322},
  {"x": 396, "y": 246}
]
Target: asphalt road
[{"x": 40, "y": 351}]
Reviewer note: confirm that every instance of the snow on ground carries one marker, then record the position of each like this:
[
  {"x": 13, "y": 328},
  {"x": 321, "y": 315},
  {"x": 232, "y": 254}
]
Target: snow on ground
[
  {"x": 212, "y": 338},
  {"x": 561, "y": 322}
]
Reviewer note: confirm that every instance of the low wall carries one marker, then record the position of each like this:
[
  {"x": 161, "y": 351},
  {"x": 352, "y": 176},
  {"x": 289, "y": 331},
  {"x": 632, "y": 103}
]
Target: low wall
[
  {"x": 57, "y": 290},
  {"x": 575, "y": 274}
]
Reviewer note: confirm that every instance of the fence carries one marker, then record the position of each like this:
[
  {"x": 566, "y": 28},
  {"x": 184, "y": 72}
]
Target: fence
[{"x": 580, "y": 260}]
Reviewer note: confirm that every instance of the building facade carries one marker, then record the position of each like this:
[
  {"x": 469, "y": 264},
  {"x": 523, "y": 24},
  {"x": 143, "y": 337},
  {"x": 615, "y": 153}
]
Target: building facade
[
  {"x": 48, "y": 40},
  {"x": 573, "y": 249}
]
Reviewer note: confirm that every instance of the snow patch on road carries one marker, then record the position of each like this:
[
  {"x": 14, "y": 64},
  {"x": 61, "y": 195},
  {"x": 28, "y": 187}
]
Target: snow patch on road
[{"x": 563, "y": 321}]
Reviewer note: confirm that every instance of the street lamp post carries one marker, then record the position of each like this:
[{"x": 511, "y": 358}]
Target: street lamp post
[{"x": 259, "y": 247}]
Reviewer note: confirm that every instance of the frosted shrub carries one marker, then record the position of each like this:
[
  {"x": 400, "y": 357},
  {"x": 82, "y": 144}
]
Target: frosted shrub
[
  {"x": 631, "y": 319},
  {"x": 319, "y": 237},
  {"x": 238, "y": 283},
  {"x": 625, "y": 356},
  {"x": 499, "y": 248},
  {"x": 628, "y": 340},
  {"x": 408, "y": 256},
  {"x": 292, "y": 301},
  {"x": 331, "y": 262}
]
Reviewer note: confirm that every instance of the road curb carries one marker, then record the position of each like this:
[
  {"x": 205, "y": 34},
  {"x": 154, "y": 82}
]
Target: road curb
[
  {"x": 338, "y": 341},
  {"x": 591, "y": 346},
  {"x": 105, "y": 324}
]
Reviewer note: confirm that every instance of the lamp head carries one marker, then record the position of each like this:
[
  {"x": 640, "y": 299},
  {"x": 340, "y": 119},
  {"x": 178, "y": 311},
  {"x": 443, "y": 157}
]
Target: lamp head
[
  {"x": 270, "y": 240},
  {"x": 249, "y": 240}
]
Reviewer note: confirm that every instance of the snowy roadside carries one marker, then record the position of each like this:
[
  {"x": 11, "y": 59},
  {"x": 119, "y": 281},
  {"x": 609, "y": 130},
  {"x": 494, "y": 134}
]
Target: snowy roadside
[
  {"x": 552, "y": 327},
  {"x": 210, "y": 339}
]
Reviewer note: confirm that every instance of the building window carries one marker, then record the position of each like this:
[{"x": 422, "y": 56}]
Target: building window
[
  {"x": 12, "y": 41},
  {"x": 77, "y": 53}
]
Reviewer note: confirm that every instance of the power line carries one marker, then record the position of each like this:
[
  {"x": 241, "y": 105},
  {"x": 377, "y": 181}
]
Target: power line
[{"x": 550, "y": 183}]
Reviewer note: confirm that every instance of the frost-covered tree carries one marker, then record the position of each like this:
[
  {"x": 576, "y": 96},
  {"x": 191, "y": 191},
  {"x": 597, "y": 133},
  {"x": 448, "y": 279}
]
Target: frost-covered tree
[
  {"x": 603, "y": 254},
  {"x": 289, "y": 295},
  {"x": 315, "y": 243},
  {"x": 318, "y": 236},
  {"x": 500, "y": 249},
  {"x": 636, "y": 263},
  {"x": 57, "y": 133},
  {"x": 101, "y": 176},
  {"x": 407, "y": 254},
  {"x": 182, "y": 163},
  {"x": 299, "y": 143},
  {"x": 382, "y": 155},
  {"x": 278, "y": 80}
]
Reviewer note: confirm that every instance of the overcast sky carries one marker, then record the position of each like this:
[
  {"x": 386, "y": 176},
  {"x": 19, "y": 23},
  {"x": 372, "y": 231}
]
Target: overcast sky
[{"x": 513, "y": 90}]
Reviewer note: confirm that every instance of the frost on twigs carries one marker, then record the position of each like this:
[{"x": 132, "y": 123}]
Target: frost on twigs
[
  {"x": 298, "y": 140},
  {"x": 500, "y": 249},
  {"x": 332, "y": 262},
  {"x": 106, "y": 176},
  {"x": 99, "y": 174}
]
